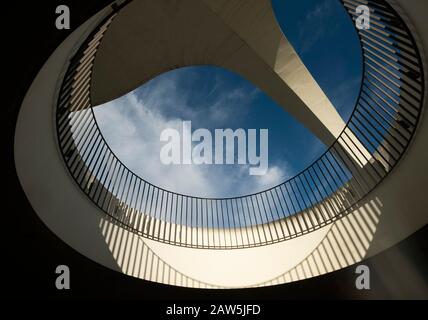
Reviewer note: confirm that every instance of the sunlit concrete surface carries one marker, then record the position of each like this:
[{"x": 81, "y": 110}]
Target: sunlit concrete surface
[
  {"x": 328, "y": 249},
  {"x": 393, "y": 211},
  {"x": 222, "y": 268},
  {"x": 148, "y": 38}
]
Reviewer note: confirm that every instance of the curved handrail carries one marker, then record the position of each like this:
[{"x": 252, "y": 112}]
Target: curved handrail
[{"x": 384, "y": 121}]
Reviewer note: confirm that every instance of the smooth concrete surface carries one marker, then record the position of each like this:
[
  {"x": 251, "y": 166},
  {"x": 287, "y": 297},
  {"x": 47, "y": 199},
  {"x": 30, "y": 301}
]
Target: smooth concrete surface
[
  {"x": 39, "y": 165},
  {"x": 149, "y": 38},
  {"x": 255, "y": 23},
  {"x": 396, "y": 209}
]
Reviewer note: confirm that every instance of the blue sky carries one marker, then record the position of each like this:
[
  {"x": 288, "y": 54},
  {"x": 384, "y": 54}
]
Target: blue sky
[{"x": 213, "y": 97}]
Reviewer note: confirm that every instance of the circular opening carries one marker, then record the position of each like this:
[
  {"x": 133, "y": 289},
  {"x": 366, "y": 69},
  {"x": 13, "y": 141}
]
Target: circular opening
[
  {"x": 214, "y": 98},
  {"x": 376, "y": 136}
]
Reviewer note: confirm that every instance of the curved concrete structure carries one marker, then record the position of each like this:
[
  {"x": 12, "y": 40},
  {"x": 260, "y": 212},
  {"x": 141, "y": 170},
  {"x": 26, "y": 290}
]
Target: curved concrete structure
[
  {"x": 394, "y": 210},
  {"x": 239, "y": 35}
]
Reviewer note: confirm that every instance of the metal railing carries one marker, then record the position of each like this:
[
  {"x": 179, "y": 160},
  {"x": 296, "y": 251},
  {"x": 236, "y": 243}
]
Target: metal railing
[{"x": 383, "y": 122}]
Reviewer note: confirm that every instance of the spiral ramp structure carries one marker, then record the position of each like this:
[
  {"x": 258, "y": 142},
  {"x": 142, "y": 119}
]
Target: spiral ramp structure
[{"x": 363, "y": 195}]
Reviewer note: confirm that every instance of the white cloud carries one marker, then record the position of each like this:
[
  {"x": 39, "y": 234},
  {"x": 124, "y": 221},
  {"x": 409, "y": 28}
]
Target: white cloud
[
  {"x": 273, "y": 176},
  {"x": 314, "y": 26},
  {"x": 132, "y": 127}
]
